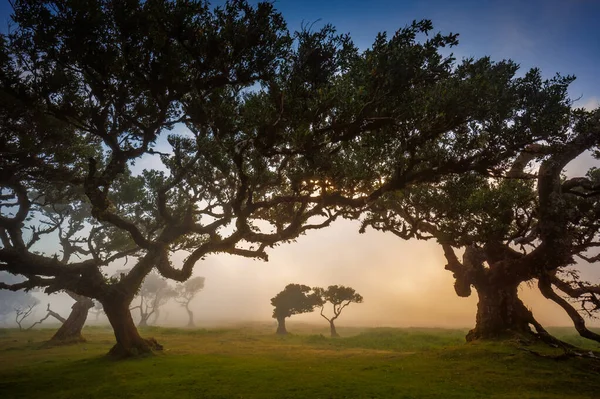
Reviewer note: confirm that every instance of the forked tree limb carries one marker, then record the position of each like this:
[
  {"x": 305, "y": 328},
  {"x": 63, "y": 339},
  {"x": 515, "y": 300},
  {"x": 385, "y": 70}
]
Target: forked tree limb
[
  {"x": 545, "y": 287},
  {"x": 49, "y": 313}
]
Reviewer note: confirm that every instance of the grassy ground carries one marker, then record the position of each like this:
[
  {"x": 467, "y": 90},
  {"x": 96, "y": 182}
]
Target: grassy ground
[{"x": 252, "y": 362}]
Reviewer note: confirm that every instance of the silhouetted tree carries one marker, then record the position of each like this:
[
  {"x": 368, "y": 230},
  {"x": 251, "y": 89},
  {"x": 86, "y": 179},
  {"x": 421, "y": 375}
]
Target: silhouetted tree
[
  {"x": 186, "y": 292},
  {"x": 294, "y": 299},
  {"x": 24, "y": 310},
  {"x": 70, "y": 331},
  {"x": 525, "y": 224},
  {"x": 274, "y": 133},
  {"x": 339, "y": 297},
  {"x": 49, "y": 313}
]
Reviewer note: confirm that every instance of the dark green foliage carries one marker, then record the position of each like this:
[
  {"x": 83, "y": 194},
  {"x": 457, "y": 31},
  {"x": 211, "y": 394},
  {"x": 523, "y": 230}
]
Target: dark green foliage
[
  {"x": 269, "y": 133},
  {"x": 339, "y": 297},
  {"x": 294, "y": 299}
]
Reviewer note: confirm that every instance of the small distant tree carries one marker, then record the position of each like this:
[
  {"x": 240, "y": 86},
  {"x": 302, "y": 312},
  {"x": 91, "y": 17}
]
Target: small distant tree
[
  {"x": 25, "y": 310},
  {"x": 186, "y": 293},
  {"x": 97, "y": 310},
  {"x": 340, "y": 297},
  {"x": 294, "y": 299},
  {"x": 154, "y": 293},
  {"x": 10, "y": 300}
]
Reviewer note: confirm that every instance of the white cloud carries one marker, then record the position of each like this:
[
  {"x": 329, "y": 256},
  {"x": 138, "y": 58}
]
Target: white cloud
[{"x": 591, "y": 103}]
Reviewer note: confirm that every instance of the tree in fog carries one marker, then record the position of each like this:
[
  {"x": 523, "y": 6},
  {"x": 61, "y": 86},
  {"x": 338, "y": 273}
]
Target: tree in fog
[
  {"x": 186, "y": 292},
  {"x": 97, "y": 310},
  {"x": 63, "y": 215},
  {"x": 154, "y": 293},
  {"x": 339, "y": 297},
  {"x": 256, "y": 134},
  {"x": 24, "y": 310},
  {"x": 529, "y": 223},
  {"x": 9, "y": 300},
  {"x": 294, "y": 299}
]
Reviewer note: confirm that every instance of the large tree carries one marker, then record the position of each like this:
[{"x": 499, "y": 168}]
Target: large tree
[
  {"x": 294, "y": 299},
  {"x": 273, "y": 134},
  {"x": 529, "y": 223},
  {"x": 339, "y": 296}
]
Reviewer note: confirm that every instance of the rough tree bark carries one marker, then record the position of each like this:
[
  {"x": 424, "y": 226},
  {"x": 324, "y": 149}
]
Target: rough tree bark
[
  {"x": 500, "y": 312},
  {"x": 281, "y": 326},
  {"x": 70, "y": 331},
  {"x": 129, "y": 342}
]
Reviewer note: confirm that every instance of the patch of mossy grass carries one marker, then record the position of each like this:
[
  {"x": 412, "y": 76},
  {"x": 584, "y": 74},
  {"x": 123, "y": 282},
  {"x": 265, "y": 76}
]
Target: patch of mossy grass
[{"x": 253, "y": 362}]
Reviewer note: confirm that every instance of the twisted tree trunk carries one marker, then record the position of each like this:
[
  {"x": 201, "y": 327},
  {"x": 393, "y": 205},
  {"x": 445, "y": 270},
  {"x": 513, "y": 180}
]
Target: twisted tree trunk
[
  {"x": 129, "y": 342},
  {"x": 70, "y": 331},
  {"x": 500, "y": 313}
]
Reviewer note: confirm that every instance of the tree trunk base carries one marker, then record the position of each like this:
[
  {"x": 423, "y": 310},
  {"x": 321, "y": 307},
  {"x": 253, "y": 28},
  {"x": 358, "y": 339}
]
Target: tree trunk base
[
  {"x": 53, "y": 342},
  {"x": 66, "y": 340},
  {"x": 499, "y": 335},
  {"x": 281, "y": 330},
  {"x": 70, "y": 332},
  {"x": 129, "y": 343},
  {"x": 145, "y": 347},
  {"x": 501, "y": 315}
]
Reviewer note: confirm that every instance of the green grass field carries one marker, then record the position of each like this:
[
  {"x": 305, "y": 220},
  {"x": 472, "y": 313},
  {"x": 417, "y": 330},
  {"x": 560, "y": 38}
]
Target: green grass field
[{"x": 252, "y": 362}]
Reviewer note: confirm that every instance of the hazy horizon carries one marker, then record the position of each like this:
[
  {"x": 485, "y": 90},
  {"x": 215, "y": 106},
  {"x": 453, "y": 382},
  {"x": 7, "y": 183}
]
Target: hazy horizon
[{"x": 403, "y": 283}]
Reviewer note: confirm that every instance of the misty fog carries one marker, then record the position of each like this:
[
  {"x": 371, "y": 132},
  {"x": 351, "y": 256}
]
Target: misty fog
[{"x": 403, "y": 282}]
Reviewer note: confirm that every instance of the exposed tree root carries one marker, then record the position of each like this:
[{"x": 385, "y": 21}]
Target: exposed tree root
[{"x": 565, "y": 355}]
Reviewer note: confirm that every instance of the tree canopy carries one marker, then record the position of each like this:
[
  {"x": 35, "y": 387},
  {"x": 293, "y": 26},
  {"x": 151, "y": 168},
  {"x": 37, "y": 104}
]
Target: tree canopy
[
  {"x": 262, "y": 133},
  {"x": 532, "y": 222},
  {"x": 339, "y": 296},
  {"x": 294, "y": 299}
]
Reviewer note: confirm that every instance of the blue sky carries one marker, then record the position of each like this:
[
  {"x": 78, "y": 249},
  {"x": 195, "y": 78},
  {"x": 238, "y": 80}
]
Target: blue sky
[{"x": 554, "y": 35}]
